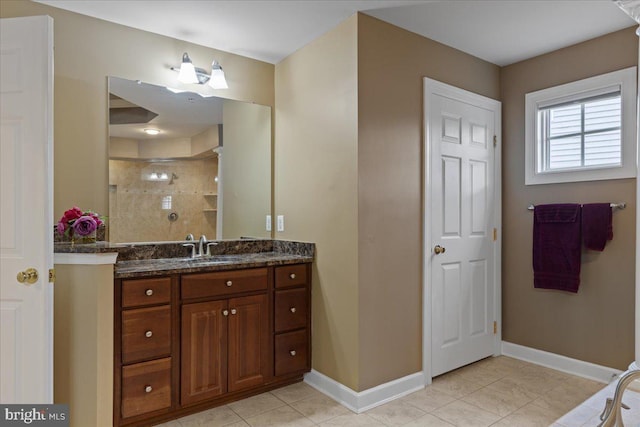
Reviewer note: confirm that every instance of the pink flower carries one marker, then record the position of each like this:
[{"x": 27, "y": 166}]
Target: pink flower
[
  {"x": 96, "y": 218},
  {"x": 71, "y": 215},
  {"x": 84, "y": 225},
  {"x": 61, "y": 227}
]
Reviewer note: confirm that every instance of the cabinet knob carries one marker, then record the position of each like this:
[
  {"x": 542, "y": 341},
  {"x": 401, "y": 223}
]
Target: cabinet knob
[
  {"x": 148, "y": 334},
  {"x": 292, "y": 352},
  {"x": 229, "y": 283},
  {"x": 292, "y": 276},
  {"x": 233, "y": 311},
  {"x": 225, "y": 312},
  {"x": 149, "y": 292},
  {"x": 293, "y": 309},
  {"x": 148, "y": 389}
]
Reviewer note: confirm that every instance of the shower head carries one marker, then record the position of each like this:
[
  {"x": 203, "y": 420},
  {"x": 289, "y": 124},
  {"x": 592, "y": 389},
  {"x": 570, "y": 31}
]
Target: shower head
[{"x": 173, "y": 176}]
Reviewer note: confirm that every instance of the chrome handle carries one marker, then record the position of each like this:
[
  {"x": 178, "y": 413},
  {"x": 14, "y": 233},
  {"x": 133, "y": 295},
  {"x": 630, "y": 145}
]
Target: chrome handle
[
  {"x": 209, "y": 247},
  {"x": 233, "y": 311},
  {"x": 148, "y": 292},
  {"x": 148, "y": 334},
  {"x": 30, "y": 276},
  {"x": 439, "y": 249},
  {"x": 225, "y": 312},
  {"x": 193, "y": 248},
  {"x": 148, "y": 389},
  {"x": 292, "y": 276},
  {"x": 293, "y": 309},
  {"x": 292, "y": 352},
  {"x": 229, "y": 283}
]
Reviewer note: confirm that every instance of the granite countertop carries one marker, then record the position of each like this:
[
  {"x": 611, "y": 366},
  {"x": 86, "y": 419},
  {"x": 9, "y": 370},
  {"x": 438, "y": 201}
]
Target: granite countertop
[
  {"x": 161, "y": 258},
  {"x": 163, "y": 266}
]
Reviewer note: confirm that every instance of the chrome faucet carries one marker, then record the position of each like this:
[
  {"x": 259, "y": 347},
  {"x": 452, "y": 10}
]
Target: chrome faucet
[
  {"x": 612, "y": 414},
  {"x": 202, "y": 242}
]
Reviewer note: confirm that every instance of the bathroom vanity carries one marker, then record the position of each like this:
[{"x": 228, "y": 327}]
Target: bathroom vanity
[{"x": 194, "y": 333}]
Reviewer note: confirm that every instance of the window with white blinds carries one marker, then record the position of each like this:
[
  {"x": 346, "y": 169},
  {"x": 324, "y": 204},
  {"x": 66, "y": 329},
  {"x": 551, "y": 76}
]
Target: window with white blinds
[
  {"x": 582, "y": 134},
  {"x": 582, "y": 131}
]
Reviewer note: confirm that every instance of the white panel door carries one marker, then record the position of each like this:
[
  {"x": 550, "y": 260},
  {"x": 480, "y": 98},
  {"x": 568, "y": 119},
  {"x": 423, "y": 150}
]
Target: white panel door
[
  {"x": 461, "y": 218},
  {"x": 26, "y": 209}
]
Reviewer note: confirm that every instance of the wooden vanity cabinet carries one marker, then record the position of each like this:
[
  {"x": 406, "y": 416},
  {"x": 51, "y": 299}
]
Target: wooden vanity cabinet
[
  {"x": 191, "y": 341},
  {"x": 144, "y": 358},
  {"x": 292, "y": 323},
  {"x": 225, "y": 342}
]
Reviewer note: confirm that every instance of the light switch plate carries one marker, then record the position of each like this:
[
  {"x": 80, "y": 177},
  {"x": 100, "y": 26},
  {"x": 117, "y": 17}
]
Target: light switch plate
[
  {"x": 268, "y": 223},
  {"x": 280, "y": 219}
]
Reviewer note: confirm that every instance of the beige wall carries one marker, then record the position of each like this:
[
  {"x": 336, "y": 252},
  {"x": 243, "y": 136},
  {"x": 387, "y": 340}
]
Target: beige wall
[
  {"x": 87, "y": 50},
  {"x": 596, "y": 324},
  {"x": 348, "y": 177},
  {"x": 316, "y": 186},
  {"x": 391, "y": 65},
  {"x": 245, "y": 170}
]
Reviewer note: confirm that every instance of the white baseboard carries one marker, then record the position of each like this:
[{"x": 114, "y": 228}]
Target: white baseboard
[
  {"x": 364, "y": 400},
  {"x": 577, "y": 367}
]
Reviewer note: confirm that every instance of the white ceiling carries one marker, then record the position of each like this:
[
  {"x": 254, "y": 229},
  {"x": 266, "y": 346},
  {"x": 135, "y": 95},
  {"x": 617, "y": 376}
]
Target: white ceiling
[{"x": 499, "y": 31}]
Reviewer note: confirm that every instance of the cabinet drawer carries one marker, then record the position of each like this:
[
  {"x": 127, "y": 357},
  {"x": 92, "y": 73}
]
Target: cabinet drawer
[
  {"x": 146, "y": 387},
  {"x": 291, "y": 275},
  {"x": 146, "y": 333},
  {"x": 291, "y": 309},
  {"x": 146, "y": 292},
  {"x": 223, "y": 283},
  {"x": 291, "y": 352}
]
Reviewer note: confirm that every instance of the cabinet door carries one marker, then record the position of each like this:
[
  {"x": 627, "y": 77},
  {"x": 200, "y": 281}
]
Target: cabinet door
[
  {"x": 204, "y": 351},
  {"x": 249, "y": 359}
]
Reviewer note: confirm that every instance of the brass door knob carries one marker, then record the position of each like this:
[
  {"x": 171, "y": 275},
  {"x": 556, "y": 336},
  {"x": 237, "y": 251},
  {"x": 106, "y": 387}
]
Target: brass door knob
[
  {"x": 30, "y": 276},
  {"x": 439, "y": 250}
]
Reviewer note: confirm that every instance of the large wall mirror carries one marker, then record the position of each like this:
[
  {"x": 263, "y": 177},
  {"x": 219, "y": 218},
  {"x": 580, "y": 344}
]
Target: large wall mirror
[{"x": 181, "y": 163}]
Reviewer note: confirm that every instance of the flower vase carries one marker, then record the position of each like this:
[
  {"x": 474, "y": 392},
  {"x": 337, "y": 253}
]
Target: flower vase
[{"x": 83, "y": 240}]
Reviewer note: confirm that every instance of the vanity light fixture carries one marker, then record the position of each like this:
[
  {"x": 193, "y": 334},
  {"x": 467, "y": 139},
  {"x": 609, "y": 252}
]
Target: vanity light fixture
[
  {"x": 189, "y": 74},
  {"x": 217, "y": 80},
  {"x": 150, "y": 131}
]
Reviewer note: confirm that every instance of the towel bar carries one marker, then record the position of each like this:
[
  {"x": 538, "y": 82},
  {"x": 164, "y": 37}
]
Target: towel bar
[{"x": 620, "y": 205}]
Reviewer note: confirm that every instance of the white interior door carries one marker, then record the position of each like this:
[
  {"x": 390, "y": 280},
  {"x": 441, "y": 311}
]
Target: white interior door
[
  {"x": 461, "y": 218},
  {"x": 26, "y": 210}
]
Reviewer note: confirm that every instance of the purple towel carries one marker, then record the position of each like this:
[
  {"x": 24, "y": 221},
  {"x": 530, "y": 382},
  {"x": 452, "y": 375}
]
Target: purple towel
[
  {"x": 597, "y": 225},
  {"x": 556, "y": 247}
]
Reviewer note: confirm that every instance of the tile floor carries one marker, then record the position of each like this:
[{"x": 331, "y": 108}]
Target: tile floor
[{"x": 500, "y": 391}]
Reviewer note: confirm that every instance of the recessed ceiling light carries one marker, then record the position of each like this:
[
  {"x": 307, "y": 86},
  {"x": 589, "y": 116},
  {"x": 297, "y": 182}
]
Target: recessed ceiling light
[{"x": 151, "y": 131}]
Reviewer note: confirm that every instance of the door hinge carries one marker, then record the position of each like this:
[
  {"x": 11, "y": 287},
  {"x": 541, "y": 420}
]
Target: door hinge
[
  {"x": 495, "y": 234},
  {"x": 495, "y": 327},
  {"x": 495, "y": 140},
  {"x": 52, "y": 275}
]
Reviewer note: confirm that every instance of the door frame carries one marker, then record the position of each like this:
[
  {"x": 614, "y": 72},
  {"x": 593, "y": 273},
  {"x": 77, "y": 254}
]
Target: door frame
[{"x": 431, "y": 87}]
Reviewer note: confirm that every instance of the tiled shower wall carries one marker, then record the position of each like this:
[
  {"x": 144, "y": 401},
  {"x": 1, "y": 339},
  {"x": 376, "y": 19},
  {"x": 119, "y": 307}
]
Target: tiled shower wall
[{"x": 138, "y": 207}]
